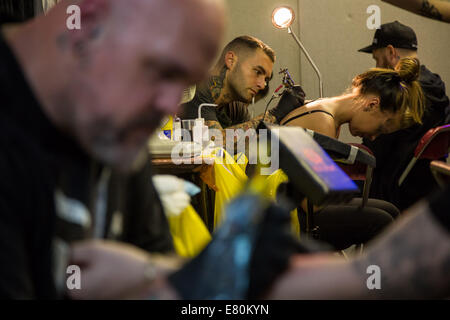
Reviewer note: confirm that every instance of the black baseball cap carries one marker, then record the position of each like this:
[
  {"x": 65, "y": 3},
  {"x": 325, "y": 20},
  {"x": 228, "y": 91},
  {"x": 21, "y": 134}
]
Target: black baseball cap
[{"x": 394, "y": 33}]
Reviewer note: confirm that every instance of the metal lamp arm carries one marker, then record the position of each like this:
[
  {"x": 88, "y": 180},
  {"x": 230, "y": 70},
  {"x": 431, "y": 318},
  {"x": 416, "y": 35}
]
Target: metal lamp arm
[{"x": 319, "y": 75}]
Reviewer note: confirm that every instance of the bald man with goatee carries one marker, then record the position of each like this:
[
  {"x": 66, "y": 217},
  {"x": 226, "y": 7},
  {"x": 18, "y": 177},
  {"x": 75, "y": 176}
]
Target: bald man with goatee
[{"x": 78, "y": 105}]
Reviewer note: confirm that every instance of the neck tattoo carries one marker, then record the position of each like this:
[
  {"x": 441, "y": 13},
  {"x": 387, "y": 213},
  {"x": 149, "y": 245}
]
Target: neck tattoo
[{"x": 216, "y": 84}]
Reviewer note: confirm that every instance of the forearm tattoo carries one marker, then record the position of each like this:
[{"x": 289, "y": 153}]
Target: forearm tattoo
[
  {"x": 62, "y": 41},
  {"x": 251, "y": 124},
  {"x": 430, "y": 11},
  {"x": 211, "y": 124},
  {"x": 414, "y": 262}
]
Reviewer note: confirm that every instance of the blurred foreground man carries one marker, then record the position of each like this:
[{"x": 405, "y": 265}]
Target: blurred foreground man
[{"x": 78, "y": 105}]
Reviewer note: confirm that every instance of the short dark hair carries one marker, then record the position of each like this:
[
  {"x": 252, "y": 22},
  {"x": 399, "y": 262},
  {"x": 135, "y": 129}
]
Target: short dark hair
[{"x": 242, "y": 43}]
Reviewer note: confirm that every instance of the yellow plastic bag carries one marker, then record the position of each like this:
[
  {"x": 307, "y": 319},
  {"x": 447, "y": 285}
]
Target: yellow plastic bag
[
  {"x": 230, "y": 178},
  {"x": 273, "y": 181},
  {"x": 189, "y": 233}
]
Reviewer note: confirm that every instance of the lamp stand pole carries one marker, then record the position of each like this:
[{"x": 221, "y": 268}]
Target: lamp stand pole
[{"x": 319, "y": 75}]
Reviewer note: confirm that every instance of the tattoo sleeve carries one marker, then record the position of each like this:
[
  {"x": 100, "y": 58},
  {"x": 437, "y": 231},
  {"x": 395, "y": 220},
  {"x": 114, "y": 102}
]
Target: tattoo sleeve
[
  {"x": 253, "y": 123},
  {"x": 433, "y": 9},
  {"x": 212, "y": 124},
  {"x": 414, "y": 258},
  {"x": 430, "y": 11},
  {"x": 240, "y": 129},
  {"x": 62, "y": 41}
]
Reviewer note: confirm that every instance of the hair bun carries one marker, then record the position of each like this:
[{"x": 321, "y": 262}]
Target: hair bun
[{"x": 408, "y": 69}]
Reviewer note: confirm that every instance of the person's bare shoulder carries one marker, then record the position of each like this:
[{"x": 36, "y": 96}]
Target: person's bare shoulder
[
  {"x": 322, "y": 123},
  {"x": 308, "y": 117}
]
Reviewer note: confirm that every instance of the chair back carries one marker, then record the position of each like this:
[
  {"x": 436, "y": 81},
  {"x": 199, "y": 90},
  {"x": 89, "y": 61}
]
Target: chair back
[{"x": 434, "y": 144}]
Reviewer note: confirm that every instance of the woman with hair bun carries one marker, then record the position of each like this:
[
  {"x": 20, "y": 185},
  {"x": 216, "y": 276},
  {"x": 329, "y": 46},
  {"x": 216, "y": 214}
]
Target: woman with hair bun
[{"x": 379, "y": 101}]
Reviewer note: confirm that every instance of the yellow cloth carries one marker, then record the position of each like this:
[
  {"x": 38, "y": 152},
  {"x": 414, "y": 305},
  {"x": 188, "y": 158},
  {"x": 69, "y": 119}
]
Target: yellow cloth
[
  {"x": 189, "y": 233},
  {"x": 230, "y": 178},
  {"x": 273, "y": 182}
]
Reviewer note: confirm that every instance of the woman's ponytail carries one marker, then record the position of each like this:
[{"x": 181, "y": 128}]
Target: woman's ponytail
[{"x": 410, "y": 97}]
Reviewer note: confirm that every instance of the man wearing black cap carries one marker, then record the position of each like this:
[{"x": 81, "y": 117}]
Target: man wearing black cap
[
  {"x": 392, "y": 42},
  {"x": 75, "y": 115}
]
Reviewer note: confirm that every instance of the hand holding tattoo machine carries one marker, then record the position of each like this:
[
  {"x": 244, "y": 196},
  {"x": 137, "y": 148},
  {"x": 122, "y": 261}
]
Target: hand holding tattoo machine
[{"x": 292, "y": 97}]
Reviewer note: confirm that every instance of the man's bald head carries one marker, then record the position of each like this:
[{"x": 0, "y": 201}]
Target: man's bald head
[{"x": 111, "y": 83}]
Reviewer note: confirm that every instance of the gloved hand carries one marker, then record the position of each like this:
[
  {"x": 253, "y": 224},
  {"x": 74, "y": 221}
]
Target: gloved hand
[{"x": 290, "y": 100}]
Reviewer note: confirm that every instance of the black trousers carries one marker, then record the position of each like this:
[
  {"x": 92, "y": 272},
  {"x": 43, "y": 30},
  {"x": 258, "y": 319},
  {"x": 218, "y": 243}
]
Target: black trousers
[{"x": 344, "y": 225}]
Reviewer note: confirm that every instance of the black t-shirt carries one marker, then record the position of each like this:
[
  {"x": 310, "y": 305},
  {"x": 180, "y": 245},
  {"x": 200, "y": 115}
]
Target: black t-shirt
[
  {"x": 48, "y": 195},
  {"x": 227, "y": 115}
]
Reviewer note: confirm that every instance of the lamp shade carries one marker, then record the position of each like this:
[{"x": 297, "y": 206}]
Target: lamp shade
[{"x": 282, "y": 17}]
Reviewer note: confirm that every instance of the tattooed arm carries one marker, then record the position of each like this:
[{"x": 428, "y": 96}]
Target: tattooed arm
[
  {"x": 413, "y": 257},
  {"x": 240, "y": 129},
  {"x": 253, "y": 123},
  {"x": 434, "y": 9}
]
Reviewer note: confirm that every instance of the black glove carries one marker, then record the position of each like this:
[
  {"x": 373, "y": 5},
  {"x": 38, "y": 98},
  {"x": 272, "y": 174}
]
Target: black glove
[
  {"x": 291, "y": 99},
  {"x": 275, "y": 245}
]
